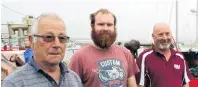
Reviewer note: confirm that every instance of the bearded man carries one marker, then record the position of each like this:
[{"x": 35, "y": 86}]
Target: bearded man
[
  {"x": 162, "y": 66},
  {"x": 103, "y": 63}
]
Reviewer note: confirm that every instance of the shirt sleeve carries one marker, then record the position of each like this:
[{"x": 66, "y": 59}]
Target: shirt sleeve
[
  {"x": 76, "y": 65},
  {"x": 140, "y": 76},
  {"x": 76, "y": 77},
  {"x": 132, "y": 68},
  {"x": 7, "y": 83},
  {"x": 186, "y": 74}
]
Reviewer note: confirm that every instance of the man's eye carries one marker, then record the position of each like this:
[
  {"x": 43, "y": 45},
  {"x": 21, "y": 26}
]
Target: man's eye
[
  {"x": 109, "y": 24},
  {"x": 160, "y": 35},
  {"x": 49, "y": 36},
  {"x": 168, "y": 34},
  {"x": 101, "y": 24},
  {"x": 62, "y": 37}
]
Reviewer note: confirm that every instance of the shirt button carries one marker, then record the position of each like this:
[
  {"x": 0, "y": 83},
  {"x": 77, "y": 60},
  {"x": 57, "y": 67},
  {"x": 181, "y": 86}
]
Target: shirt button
[{"x": 54, "y": 83}]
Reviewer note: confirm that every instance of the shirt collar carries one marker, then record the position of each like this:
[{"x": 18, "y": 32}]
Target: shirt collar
[
  {"x": 173, "y": 52},
  {"x": 62, "y": 65},
  {"x": 33, "y": 64}
]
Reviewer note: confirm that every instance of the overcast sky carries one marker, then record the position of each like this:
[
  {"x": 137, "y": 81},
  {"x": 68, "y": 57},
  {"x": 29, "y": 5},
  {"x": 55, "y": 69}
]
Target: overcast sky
[{"x": 135, "y": 17}]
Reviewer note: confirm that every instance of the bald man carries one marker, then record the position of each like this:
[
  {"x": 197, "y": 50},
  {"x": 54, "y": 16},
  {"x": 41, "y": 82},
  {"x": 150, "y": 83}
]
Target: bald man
[{"x": 162, "y": 66}]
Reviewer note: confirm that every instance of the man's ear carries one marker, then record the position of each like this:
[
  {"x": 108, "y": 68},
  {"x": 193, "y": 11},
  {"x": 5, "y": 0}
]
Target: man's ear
[
  {"x": 92, "y": 26},
  {"x": 30, "y": 39},
  {"x": 153, "y": 36},
  {"x": 116, "y": 27}
]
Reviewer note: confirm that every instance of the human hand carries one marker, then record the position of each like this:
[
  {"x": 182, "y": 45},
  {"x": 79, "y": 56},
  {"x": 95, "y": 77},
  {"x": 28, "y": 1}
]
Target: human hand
[{"x": 14, "y": 58}]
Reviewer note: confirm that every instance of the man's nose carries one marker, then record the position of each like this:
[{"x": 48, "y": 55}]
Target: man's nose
[
  {"x": 56, "y": 43},
  {"x": 164, "y": 36},
  {"x": 105, "y": 27}
]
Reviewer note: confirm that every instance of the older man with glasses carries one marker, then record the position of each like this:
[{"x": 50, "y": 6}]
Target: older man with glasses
[{"x": 48, "y": 40}]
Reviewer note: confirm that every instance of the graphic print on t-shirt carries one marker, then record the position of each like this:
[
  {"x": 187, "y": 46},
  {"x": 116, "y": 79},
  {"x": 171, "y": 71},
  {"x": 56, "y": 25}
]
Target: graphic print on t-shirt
[{"x": 111, "y": 72}]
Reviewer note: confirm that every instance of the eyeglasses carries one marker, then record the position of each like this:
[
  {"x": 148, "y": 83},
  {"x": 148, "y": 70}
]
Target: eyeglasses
[{"x": 51, "y": 38}]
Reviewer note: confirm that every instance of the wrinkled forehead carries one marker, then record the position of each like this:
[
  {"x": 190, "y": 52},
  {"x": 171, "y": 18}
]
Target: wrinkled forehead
[
  {"x": 161, "y": 28},
  {"x": 47, "y": 24}
]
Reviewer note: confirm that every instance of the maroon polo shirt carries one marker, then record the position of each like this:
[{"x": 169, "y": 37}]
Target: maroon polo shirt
[{"x": 155, "y": 71}]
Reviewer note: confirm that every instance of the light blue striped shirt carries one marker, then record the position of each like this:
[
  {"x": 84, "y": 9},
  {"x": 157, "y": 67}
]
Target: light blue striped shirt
[{"x": 30, "y": 75}]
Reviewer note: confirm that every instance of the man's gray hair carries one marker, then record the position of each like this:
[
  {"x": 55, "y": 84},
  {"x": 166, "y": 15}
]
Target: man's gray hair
[{"x": 34, "y": 27}]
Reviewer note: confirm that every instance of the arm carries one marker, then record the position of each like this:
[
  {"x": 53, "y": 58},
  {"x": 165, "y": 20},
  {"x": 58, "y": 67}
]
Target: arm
[
  {"x": 140, "y": 76},
  {"x": 186, "y": 85},
  {"x": 186, "y": 73},
  {"x": 4, "y": 73},
  {"x": 7, "y": 83},
  {"x": 132, "y": 70},
  {"x": 19, "y": 61},
  {"x": 132, "y": 81},
  {"x": 15, "y": 58},
  {"x": 78, "y": 80}
]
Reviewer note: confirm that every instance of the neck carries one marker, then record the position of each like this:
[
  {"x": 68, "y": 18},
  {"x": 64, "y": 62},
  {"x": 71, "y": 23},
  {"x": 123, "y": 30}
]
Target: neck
[
  {"x": 52, "y": 70},
  {"x": 97, "y": 47},
  {"x": 166, "y": 51},
  {"x": 49, "y": 68}
]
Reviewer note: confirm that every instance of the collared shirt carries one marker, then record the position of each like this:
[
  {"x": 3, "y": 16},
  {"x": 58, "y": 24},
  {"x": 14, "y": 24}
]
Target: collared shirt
[
  {"x": 158, "y": 72},
  {"x": 31, "y": 75}
]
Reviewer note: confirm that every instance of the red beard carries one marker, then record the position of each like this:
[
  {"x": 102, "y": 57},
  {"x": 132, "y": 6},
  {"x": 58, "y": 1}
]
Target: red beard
[{"x": 104, "y": 39}]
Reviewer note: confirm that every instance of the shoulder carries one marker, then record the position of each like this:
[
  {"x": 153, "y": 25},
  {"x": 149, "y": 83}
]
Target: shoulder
[
  {"x": 19, "y": 75},
  {"x": 73, "y": 77},
  {"x": 72, "y": 74},
  {"x": 84, "y": 49},
  {"x": 180, "y": 55},
  {"x": 120, "y": 48},
  {"x": 146, "y": 52}
]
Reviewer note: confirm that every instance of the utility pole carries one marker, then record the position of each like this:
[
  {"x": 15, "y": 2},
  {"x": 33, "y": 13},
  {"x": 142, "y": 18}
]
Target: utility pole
[
  {"x": 196, "y": 13},
  {"x": 176, "y": 20},
  {"x": 197, "y": 22}
]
